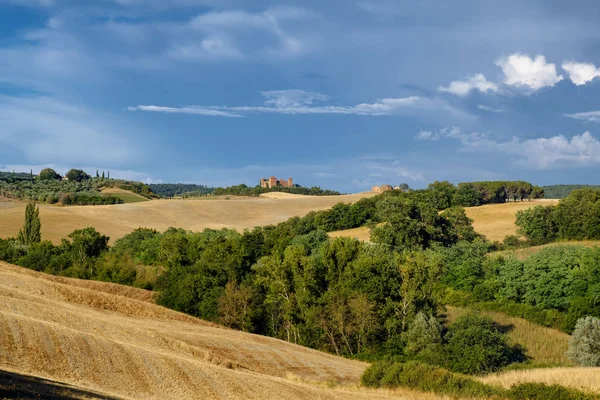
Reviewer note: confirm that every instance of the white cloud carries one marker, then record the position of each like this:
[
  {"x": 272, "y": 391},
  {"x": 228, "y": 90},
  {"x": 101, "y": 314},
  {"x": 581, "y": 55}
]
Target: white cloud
[
  {"x": 292, "y": 98},
  {"x": 581, "y": 73},
  {"x": 210, "y": 48},
  {"x": 490, "y": 109},
  {"x": 184, "y": 110},
  {"x": 462, "y": 88},
  {"x": 522, "y": 70},
  {"x": 539, "y": 153},
  {"x": 299, "y": 102},
  {"x": 589, "y": 116},
  {"x": 46, "y": 130},
  {"x": 230, "y": 23}
]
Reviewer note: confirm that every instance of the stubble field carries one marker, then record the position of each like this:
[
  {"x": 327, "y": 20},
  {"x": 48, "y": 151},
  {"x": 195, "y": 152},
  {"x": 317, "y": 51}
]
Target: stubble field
[
  {"x": 118, "y": 220},
  {"x": 113, "y": 340}
]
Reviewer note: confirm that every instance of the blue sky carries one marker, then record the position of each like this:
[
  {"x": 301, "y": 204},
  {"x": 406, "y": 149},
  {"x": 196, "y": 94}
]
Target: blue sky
[{"x": 339, "y": 94}]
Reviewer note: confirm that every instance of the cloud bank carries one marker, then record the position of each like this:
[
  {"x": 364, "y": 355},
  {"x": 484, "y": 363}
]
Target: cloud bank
[{"x": 540, "y": 153}]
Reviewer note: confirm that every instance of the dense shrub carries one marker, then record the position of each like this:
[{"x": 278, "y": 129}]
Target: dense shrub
[
  {"x": 426, "y": 378},
  {"x": 49, "y": 174},
  {"x": 576, "y": 217},
  {"x": 537, "y": 224},
  {"x": 88, "y": 199},
  {"x": 475, "y": 345},
  {"x": 541, "y": 391},
  {"x": 77, "y": 175}
]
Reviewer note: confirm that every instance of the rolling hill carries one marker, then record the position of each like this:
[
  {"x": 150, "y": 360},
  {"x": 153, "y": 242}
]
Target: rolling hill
[
  {"x": 104, "y": 338},
  {"x": 196, "y": 214}
]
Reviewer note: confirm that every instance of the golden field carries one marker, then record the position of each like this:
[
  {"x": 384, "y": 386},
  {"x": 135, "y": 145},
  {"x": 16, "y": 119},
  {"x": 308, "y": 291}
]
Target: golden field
[
  {"x": 113, "y": 340},
  {"x": 118, "y": 220},
  {"x": 496, "y": 221},
  {"x": 586, "y": 379}
]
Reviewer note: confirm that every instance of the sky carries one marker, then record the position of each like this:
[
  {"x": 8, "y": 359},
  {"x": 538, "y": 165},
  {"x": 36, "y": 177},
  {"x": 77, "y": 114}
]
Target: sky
[{"x": 341, "y": 94}]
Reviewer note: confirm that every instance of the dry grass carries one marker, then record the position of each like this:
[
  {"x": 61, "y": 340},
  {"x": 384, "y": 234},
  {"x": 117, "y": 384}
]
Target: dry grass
[
  {"x": 578, "y": 378},
  {"x": 363, "y": 233},
  {"x": 116, "y": 221},
  {"x": 522, "y": 254},
  {"x": 125, "y": 195},
  {"x": 101, "y": 337},
  {"x": 496, "y": 221},
  {"x": 543, "y": 345}
]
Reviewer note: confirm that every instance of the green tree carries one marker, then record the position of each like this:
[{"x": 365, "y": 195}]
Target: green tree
[
  {"x": 102, "y": 175},
  {"x": 31, "y": 231},
  {"x": 424, "y": 333},
  {"x": 537, "y": 224},
  {"x": 48, "y": 174},
  {"x": 475, "y": 345},
  {"x": 77, "y": 175},
  {"x": 85, "y": 246},
  {"x": 584, "y": 346}
]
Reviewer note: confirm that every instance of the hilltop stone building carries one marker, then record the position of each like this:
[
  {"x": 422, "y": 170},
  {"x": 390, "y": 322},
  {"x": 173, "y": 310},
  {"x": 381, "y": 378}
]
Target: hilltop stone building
[
  {"x": 274, "y": 182},
  {"x": 381, "y": 189}
]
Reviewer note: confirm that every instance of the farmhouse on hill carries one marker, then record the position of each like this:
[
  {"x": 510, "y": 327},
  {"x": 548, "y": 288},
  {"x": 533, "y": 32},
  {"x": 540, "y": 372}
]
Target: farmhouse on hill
[
  {"x": 274, "y": 182},
  {"x": 381, "y": 189}
]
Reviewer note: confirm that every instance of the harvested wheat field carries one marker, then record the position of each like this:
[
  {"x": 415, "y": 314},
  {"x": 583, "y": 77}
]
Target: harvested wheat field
[
  {"x": 118, "y": 220},
  {"x": 525, "y": 252},
  {"x": 363, "y": 233},
  {"x": 587, "y": 379},
  {"x": 109, "y": 339},
  {"x": 496, "y": 221},
  {"x": 543, "y": 345}
]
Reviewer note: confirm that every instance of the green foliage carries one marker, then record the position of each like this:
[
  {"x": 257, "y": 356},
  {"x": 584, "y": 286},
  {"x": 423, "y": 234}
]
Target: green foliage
[
  {"x": 423, "y": 335},
  {"x": 562, "y": 191},
  {"x": 410, "y": 224},
  {"x": 541, "y": 391},
  {"x": 77, "y": 175},
  {"x": 72, "y": 192},
  {"x": 31, "y": 231},
  {"x": 584, "y": 346},
  {"x": 49, "y": 174},
  {"x": 180, "y": 189},
  {"x": 475, "y": 345},
  {"x": 88, "y": 199},
  {"x": 245, "y": 190},
  {"x": 576, "y": 217},
  {"x": 425, "y": 378},
  {"x": 537, "y": 224}
]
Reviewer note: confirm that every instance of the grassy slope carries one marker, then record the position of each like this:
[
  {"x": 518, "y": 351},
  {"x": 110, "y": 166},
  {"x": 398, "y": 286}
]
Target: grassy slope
[
  {"x": 496, "y": 221},
  {"x": 117, "y": 220},
  {"x": 107, "y": 338},
  {"x": 528, "y": 251},
  {"x": 125, "y": 195},
  {"x": 579, "y": 378},
  {"x": 543, "y": 345}
]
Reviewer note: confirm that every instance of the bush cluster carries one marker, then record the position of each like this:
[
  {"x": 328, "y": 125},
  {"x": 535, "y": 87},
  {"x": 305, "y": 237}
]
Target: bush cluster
[{"x": 427, "y": 378}]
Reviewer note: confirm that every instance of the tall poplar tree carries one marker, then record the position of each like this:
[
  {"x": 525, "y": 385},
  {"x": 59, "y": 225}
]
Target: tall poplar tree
[{"x": 32, "y": 229}]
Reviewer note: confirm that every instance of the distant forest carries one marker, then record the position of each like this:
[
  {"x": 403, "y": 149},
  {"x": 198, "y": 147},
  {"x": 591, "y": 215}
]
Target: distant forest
[
  {"x": 179, "y": 189},
  {"x": 562, "y": 191}
]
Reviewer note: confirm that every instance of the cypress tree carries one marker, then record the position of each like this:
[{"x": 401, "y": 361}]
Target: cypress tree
[
  {"x": 108, "y": 174},
  {"x": 97, "y": 175},
  {"x": 102, "y": 175},
  {"x": 32, "y": 229}
]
